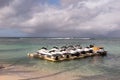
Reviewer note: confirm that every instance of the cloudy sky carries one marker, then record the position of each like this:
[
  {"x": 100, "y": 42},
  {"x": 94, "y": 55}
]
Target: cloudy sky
[{"x": 60, "y": 18}]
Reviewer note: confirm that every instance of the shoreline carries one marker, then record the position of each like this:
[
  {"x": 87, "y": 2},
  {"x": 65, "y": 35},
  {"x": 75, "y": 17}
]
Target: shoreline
[{"x": 24, "y": 73}]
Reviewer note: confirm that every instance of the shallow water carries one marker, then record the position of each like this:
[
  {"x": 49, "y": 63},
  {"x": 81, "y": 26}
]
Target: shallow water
[{"x": 14, "y": 51}]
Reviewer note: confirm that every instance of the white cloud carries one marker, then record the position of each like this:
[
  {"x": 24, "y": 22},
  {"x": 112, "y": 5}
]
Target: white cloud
[
  {"x": 71, "y": 18},
  {"x": 95, "y": 3}
]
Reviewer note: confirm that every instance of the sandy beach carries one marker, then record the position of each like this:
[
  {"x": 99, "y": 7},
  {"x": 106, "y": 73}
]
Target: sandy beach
[
  {"x": 23, "y": 73},
  {"x": 9, "y": 77}
]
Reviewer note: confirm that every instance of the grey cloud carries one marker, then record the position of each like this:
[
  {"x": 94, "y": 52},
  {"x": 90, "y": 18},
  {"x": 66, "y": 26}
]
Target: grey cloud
[
  {"x": 69, "y": 2},
  {"x": 16, "y": 12},
  {"x": 114, "y": 33},
  {"x": 73, "y": 18},
  {"x": 4, "y": 3},
  {"x": 78, "y": 21}
]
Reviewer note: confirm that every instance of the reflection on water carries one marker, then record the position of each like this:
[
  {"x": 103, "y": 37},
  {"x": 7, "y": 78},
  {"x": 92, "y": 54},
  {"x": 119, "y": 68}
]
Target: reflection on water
[{"x": 97, "y": 60}]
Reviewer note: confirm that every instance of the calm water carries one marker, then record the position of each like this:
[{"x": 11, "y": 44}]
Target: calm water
[{"x": 13, "y": 51}]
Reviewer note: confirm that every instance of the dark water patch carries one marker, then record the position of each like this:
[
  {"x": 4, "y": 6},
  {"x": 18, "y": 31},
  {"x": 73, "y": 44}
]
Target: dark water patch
[
  {"x": 18, "y": 49},
  {"x": 24, "y": 61},
  {"x": 9, "y": 37}
]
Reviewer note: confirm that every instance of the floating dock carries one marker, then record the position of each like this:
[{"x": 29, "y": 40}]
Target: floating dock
[{"x": 57, "y": 54}]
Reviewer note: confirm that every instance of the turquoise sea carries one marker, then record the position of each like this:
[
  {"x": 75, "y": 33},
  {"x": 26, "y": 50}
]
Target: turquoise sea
[{"x": 14, "y": 51}]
